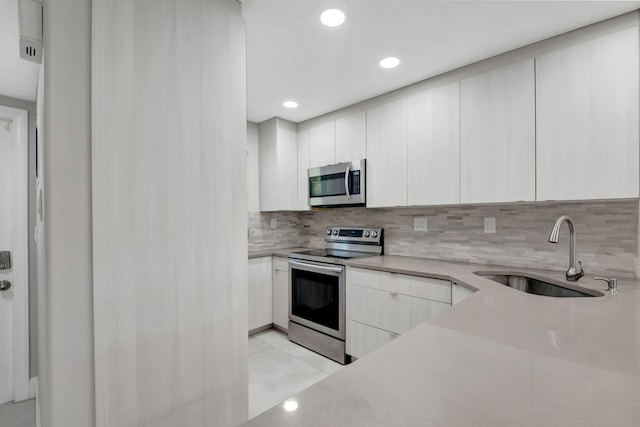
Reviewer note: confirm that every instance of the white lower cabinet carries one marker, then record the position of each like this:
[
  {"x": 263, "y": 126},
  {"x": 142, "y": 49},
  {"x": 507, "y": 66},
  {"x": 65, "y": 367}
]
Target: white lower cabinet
[
  {"x": 259, "y": 291},
  {"x": 281, "y": 292},
  {"x": 391, "y": 311},
  {"x": 459, "y": 292},
  {"x": 382, "y": 305},
  {"x": 364, "y": 339}
]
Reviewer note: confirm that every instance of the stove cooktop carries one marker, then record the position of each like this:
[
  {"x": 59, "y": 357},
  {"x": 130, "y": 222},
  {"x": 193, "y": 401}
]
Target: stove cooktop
[
  {"x": 333, "y": 256},
  {"x": 333, "y": 253},
  {"x": 343, "y": 243}
]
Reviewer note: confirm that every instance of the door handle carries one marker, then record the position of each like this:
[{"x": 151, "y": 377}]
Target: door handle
[
  {"x": 346, "y": 182},
  {"x": 5, "y": 285},
  {"x": 318, "y": 267}
]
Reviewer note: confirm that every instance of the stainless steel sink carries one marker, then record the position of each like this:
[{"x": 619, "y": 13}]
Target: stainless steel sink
[{"x": 537, "y": 286}]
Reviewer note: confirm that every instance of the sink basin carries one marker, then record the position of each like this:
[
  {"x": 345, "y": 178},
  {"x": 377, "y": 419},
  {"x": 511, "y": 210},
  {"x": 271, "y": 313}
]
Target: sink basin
[{"x": 537, "y": 286}]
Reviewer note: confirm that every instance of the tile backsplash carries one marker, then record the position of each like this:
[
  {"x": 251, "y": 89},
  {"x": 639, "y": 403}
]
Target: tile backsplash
[
  {"x": 607, "y": 233},
  {"x": 285, "y": 235}
]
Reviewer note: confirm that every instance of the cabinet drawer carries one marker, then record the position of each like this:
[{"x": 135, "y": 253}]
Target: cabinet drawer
[
  {"x": 363, "y": 339},
  {"x": 391, "y": 311},
  {"x": 280, "y": 263},
  {"x": 421, "y": 287}
]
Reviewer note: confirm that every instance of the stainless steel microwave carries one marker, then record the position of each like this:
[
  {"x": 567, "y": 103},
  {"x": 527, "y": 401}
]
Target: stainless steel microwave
[{"x": 342, "y": 184}]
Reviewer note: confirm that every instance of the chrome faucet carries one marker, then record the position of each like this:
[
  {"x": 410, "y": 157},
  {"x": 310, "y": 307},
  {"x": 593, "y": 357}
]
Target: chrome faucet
[{"x": 574, "y": 273}]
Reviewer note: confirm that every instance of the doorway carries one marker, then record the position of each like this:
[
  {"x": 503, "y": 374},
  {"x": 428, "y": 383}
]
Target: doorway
[{"x": 14, "y": 269}]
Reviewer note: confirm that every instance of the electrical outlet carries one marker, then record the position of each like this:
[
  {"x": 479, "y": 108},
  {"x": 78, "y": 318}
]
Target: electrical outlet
[
  {"x": 490, "y": 225},
  {"x": 420, "y": 223},
  {"x": 274, "y": 223}
]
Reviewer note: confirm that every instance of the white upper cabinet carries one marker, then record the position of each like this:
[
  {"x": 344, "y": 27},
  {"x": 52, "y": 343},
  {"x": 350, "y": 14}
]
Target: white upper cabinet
[
  {"x": 587, "y": 119},
  {"x": 497, "y": 138},
  {"x": 387, "y": 155},
  {"x": 303, "y": 166},
  {"x": 278, "y": 141},
  {"x": 351, "y": 138},
  {"x": 322, "y": 145},
  {"x": 253, "y": 168},
  {"x": 434, "y": 146}
]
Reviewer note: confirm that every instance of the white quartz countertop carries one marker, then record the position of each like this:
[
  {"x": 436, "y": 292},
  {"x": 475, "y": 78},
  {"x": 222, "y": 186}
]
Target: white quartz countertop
[
  {"x": 501, "y": 357},
  {"x": 281, "y": 252}
]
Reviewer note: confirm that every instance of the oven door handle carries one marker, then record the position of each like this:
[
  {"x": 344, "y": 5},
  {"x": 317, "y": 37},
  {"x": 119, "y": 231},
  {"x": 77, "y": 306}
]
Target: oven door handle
[{"x": 317, "y": 267}]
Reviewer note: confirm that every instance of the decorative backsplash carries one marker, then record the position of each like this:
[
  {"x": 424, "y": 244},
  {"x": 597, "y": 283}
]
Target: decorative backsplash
[
  {"x": 606, "y": 233},
  {"x": 285, "y": 235}
]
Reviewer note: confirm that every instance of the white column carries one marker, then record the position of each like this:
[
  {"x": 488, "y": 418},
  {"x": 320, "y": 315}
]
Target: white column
[
  {"x": 65, "y": 264},
  {"x": 169, "y": 212}
]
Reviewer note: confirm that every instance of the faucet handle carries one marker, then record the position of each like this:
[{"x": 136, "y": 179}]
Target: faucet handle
[{"x": 612, "y": 283}]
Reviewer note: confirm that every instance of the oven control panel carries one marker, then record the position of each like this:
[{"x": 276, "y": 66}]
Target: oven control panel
[{"x": 368, "y": 235}]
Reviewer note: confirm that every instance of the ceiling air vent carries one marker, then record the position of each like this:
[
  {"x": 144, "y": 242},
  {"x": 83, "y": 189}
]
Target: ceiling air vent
[{"x": 30, "y": 12}]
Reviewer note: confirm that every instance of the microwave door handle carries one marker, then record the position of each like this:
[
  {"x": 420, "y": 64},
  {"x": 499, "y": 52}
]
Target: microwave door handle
[{"x": 346, "y": 182}]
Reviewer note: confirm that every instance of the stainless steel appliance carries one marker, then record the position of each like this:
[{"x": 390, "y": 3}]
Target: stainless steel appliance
[
  {"x": 317, "y": 288},
  {"x": 342, "y": 184}
]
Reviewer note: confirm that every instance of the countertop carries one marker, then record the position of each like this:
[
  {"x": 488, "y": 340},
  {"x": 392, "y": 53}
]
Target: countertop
[
  {"x": 498, "y": 358},
  {"x": 281, "y": 252}
]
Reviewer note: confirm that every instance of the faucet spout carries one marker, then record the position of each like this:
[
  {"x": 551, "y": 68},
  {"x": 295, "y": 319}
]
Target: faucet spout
[{"x": 575, "y": 271}]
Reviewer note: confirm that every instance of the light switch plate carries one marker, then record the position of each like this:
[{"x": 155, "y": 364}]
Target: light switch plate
[
  {"x": 490, "y": 225},
  {"x": 274, "y": 223},
  {"x": 420, "y": 223}
]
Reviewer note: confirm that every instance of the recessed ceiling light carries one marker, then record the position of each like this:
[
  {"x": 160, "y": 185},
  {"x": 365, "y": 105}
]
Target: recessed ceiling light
[
  {"x": 290, "y": 104},
  {"x": 390, "y": 62},
  {"x": 332, "y": 17}
]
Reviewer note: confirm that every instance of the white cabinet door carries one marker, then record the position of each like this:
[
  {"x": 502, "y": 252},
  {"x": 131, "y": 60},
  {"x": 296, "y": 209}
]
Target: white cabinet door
[
  {"x": 497, "y": 138},
  {"x": 278, "y": 158},
  {"x": 303, "y": 167},
  {"x": 253, "y": 168},
  {"x": 287, "y": 166},
  {"x": 259, "y": 290},
  {"x": 351, "y": 138},
  {"x": 434, "y": 146},
  {"x": 387, "y": 155},
  {"x": 280, "y": 292},
  {"x": 322, "y": 147},
  {"x": 587, "y": 119},
  {"x": 364, "y": 339},
  {"x": 268, "y": 162}
]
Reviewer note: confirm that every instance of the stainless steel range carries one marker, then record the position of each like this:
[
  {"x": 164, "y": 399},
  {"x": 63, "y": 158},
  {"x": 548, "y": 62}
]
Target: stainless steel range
[{"x": 317, "y": 288}]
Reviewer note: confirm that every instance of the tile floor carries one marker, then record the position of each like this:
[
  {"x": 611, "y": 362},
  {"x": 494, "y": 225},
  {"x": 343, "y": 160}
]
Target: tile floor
[
  {"x": 22, "y": 414},
  {"x": 279, "y": 369}
]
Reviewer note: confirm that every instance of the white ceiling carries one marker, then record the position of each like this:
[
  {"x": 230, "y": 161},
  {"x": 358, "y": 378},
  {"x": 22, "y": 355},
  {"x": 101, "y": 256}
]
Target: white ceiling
[
  {"x": 291, "y": 55},
  {"x": 18, "y": 78}
]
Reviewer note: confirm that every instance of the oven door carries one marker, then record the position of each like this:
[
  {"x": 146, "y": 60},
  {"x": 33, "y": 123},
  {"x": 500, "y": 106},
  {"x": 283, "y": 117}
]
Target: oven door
[{"x": 316, "y": 297}]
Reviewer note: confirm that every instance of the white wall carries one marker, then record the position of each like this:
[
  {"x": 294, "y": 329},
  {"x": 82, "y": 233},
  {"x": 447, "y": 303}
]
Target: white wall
[
  {"x": 169, "y": 213},
  {"x": 253, "y": 164},
  {"x": 65, "y": 291}
]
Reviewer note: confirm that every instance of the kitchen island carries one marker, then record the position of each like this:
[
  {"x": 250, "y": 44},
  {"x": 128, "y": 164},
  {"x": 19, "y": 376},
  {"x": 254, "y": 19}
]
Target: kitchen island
[{"x": 498, "y": 358}]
